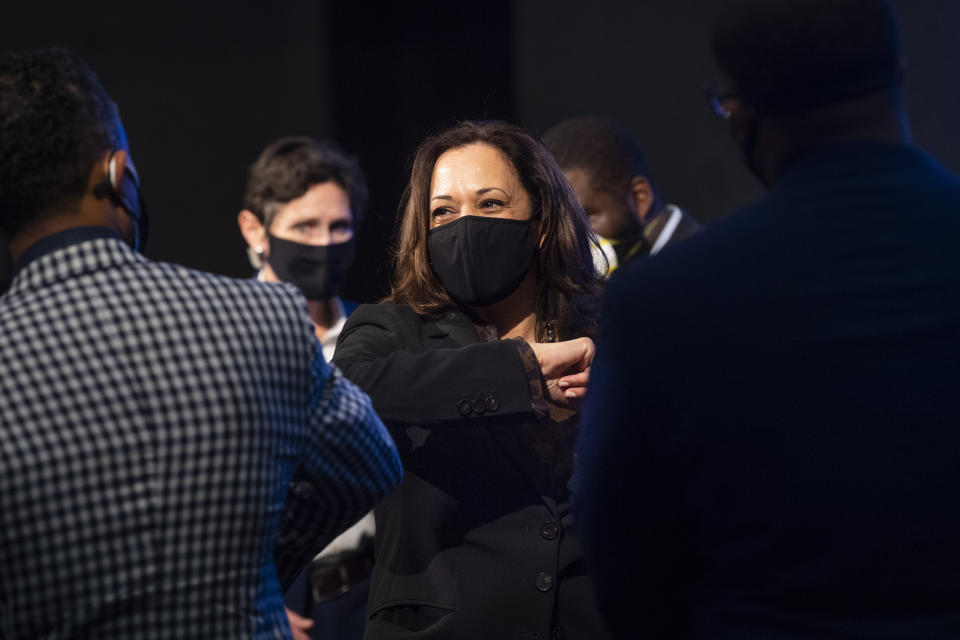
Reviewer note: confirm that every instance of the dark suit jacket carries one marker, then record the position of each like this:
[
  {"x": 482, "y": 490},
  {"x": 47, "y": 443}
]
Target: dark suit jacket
[
  {"x": 477, "y": 542},
  {"x": 809, "y": 486}
]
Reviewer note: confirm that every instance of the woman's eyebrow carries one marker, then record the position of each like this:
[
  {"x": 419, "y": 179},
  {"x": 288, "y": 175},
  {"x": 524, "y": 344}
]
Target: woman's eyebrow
[{"x": 480, "y": 192}]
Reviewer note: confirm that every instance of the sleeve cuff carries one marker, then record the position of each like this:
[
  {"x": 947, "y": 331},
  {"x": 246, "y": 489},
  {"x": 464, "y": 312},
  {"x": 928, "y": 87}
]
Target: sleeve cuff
[{"x": 538, "y": 397}]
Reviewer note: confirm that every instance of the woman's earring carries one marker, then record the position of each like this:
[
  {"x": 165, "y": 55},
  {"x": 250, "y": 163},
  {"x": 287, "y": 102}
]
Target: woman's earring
[{"x": 255, "y": 256}]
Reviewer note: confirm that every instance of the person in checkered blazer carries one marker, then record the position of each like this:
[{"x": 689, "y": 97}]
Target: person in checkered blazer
[{"x": 173, "y": 446}]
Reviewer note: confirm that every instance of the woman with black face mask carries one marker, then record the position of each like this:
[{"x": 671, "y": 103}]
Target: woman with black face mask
[
  {"x": 477, "y": 363},
  {"x": 302, "y": 203}
]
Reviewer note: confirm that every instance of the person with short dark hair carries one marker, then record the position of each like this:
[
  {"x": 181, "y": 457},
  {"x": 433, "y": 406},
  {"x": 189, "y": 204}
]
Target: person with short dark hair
[
  {"x": 173, "y": 446},
  {"x": 477, "y": 363},
  {"x": 809, "y": 488},
  {"x": 609, "y": 174},
  {"x": 303, "y": 204}
]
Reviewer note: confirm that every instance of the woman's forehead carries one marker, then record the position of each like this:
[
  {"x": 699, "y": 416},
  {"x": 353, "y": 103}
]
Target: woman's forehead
[{"x": 471, "y": 167}]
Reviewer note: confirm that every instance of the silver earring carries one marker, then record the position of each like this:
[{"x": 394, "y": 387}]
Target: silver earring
[{"x": 255, "y": 256}]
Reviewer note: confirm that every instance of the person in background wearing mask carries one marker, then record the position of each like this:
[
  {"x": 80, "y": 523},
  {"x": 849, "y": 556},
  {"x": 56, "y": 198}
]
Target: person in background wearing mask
[
  {"x": 303, "y": 201},
  {"x": 477, "y": 363},
  {"x": 608, "y": 171},
  {"x": 173, "y": 446}
]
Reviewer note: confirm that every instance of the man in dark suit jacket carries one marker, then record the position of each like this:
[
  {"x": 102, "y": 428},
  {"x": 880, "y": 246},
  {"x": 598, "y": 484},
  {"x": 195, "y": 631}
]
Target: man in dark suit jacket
[{"x": 809, "y": 489}]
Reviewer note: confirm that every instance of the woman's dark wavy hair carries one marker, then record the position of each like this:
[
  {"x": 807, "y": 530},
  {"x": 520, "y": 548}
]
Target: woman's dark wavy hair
[{"x": 569, "y": 285}]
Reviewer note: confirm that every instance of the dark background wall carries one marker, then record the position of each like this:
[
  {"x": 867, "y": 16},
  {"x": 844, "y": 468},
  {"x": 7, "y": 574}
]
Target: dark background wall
[
  {"x": 644, "y": 63},
  {"x": 401, "y": 71},
  {"x": 203, "y": 89}
]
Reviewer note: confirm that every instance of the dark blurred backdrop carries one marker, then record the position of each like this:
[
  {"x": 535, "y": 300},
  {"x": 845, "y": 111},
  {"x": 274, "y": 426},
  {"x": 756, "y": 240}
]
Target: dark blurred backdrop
[{"x": 203, "y": 87}]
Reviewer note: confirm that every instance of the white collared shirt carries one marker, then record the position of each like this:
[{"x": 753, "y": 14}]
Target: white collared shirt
[
  {"x": 668, "y": 229},
  {"x": 329, "y": 341}
]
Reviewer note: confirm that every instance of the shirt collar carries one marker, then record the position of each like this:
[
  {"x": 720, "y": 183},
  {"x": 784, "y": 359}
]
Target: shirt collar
[
  {"x": 339, "y": 317},
  {"x": 59, "y": 240},
  {"x": 666, "y": 233},
  {"x": 329, "y": 341}
]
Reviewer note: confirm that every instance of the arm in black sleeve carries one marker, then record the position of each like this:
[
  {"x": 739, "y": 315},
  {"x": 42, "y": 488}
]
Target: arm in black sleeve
[{"x": 379, "y": 351}]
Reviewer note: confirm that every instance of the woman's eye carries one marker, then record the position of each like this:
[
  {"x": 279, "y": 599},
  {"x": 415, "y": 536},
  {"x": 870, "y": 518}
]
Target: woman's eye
[
  {"x": 486, "y": 204},
  {"x": 437, "y": 213}
]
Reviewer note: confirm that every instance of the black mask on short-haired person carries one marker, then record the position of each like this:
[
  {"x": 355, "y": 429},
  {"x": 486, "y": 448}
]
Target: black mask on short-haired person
[
  {"x": 317, "y": 270},
  {"x": 481, "y": 260}
]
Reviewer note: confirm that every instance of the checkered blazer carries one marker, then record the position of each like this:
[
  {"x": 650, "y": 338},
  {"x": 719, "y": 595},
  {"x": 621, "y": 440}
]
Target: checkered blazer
[{"x": 173, "y": 448}]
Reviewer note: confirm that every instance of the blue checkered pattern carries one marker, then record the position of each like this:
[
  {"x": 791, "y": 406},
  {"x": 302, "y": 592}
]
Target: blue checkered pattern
[{"x": 153, "y": 421}]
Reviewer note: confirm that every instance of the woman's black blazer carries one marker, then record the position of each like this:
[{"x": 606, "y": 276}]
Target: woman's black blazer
[{"x": 477, "y": 542}]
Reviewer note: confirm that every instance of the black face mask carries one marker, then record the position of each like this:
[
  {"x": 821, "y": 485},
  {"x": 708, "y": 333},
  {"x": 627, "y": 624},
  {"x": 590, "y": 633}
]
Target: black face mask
[
  {"x": 318, "y": 271},
  {"x": 481, "y": 260}
]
